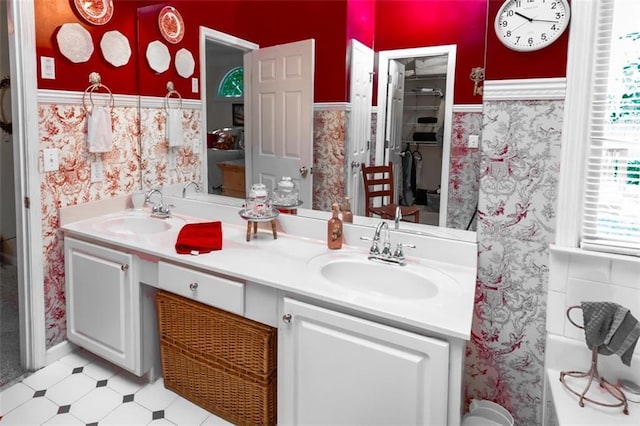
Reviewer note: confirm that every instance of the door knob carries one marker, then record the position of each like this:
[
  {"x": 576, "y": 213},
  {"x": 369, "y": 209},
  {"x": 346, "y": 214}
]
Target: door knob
[
  {"x": 286, "y": 318},
  {"x": 355, "y": 164},
  {"x": 303, "y": 171}
]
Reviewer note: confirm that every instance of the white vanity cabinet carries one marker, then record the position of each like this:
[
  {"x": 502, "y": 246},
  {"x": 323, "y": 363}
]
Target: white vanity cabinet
[
  {"x": 339, "y": 369},
  {"x": 108, "y": 311}
]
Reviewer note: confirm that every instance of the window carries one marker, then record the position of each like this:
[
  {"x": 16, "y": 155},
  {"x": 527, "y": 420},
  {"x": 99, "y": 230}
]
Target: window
[
  {"x": 611, "y": 198},
  {"x": 232, "y": 84}
]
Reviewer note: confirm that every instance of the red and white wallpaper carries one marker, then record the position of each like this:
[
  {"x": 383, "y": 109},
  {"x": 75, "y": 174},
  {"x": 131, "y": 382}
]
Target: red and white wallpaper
[{"x": 519, "y": 175}]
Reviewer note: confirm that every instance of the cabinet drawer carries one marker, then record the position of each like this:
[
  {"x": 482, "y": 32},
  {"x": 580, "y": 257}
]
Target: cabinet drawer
[{"x": 209, "y": 289}]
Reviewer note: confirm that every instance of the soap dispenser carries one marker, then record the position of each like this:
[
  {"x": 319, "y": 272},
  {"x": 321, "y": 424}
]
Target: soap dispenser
[
  {"x": 347, "y": 215},
  {"x": 334, "y": 229}
]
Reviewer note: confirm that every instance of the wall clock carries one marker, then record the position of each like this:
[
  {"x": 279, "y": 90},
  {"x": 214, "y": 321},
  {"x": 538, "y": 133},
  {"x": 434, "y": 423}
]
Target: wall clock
[{"x": 527, "y": 25}]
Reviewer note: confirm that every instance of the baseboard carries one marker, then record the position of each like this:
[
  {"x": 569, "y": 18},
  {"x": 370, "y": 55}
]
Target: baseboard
[{"x": 59, "y": 351}]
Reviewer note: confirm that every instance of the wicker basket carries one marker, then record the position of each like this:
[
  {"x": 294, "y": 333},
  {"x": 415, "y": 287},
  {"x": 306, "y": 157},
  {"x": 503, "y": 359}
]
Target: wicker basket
[
  {"x": 221, "y": 361},
  {"x": 236, "y": 397},
  {"x": 217, "y": 335}
]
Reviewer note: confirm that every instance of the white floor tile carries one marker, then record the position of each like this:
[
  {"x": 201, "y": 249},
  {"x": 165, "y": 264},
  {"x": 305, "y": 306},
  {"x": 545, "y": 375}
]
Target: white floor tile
[
  {"x": 182, "y": 411},
  {"x": 214, "y": 420},
  {"x": 155, "y": 397},
  {"x": 94, "y": 406},
  {"x": 71, "y": 389},
  {"x": 33, "y": 412},
  {"x": 161, "y": 422},
  {"x": 65, "y": 419},
  {"x": 48, "y": 376},
  {"x": 79, "y": 358},
  {"x": 12, "y": 397},
  {"x": 128, "y": 414},
  {"x": 126, "y": 383},
  {"x": 100, "y": 369}
]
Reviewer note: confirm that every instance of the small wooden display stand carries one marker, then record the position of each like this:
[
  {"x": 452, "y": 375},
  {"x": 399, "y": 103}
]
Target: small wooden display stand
[
  {"x": 255, "y": 228},
  {"x": 252, "y": 221}
]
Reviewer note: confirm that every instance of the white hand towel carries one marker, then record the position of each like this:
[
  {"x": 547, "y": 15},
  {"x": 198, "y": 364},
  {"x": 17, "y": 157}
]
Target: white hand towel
[
  {"x": 175, "y": 135},
  {"x": 99, "y": 134}
]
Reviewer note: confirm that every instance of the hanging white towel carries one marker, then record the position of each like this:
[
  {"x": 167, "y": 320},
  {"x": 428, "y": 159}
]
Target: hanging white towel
[
  {"x": 99, "y": 134},
  {"x": 175, "y": 135}
]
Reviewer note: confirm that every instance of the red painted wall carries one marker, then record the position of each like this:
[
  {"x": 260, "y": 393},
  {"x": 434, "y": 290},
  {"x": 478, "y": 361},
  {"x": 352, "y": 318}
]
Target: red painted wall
[
  {"x": 402, "y": 24},
  {"x": 398, "y": 24},
  {"x": 49, "y": 17},
  {"x": 504, "y": 63}
]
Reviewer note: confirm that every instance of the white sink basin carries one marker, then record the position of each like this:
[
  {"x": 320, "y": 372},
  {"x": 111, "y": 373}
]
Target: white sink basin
[
  {"x": 356, "y": 273},
  {"x": 135, "y": 225}
]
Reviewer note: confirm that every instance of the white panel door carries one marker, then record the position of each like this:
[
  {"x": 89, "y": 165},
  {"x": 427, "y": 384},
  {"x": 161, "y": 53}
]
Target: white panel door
[
  {"x": 281, "y": 122},
  {"x": 359, "y": 140},
  {"x": 336, "y": 369},
  {"x": 100, "y": 302},
  {"x": 393, "y": 128}
]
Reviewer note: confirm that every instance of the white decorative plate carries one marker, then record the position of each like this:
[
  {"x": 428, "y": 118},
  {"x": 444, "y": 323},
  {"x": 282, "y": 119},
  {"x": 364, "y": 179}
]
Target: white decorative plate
[
  {"x": 75, "y": 42},
  {"x": 97, "y": 12},
  {"x": 171, "y": 24},
  {"x": 185, "y": 64},
  {"x": 115, "y": 48},
  {"x": 158, "y": 56}
]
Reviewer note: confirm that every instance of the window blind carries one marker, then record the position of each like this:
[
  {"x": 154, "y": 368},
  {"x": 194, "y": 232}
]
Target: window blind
[{"x": 611, "y": 211}]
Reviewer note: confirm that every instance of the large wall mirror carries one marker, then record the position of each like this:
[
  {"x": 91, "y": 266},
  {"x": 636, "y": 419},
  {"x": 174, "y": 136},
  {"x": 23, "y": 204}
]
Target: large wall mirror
[{"x": 455, "y": 107}]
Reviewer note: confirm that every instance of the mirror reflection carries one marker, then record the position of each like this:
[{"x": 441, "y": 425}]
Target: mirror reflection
[{"x": 444, "y": 171}]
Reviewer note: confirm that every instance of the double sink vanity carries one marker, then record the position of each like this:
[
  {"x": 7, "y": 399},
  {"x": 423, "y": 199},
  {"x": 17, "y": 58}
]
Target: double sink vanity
[{"x": 358, "y": 341}]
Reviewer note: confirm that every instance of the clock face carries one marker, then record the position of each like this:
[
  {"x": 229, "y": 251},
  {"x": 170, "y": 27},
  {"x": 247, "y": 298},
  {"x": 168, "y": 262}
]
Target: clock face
[{"x": 526, "y": 25}]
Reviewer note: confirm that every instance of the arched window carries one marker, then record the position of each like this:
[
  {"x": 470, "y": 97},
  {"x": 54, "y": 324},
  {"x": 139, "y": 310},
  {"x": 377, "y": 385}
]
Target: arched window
[{"x": 232, "y": 84}]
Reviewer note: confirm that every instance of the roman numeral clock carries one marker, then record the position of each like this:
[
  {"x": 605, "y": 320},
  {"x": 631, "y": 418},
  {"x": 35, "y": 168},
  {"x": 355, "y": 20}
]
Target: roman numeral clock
[{"x": 528, "y": 25}]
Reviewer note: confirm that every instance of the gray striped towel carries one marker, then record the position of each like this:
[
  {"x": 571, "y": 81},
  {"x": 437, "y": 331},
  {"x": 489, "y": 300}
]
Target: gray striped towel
[{"x": 611, "y": 328}]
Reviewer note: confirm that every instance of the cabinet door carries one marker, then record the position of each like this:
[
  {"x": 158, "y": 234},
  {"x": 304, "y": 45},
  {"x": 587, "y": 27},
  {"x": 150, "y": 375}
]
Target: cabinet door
[
  {"x": 339, "y": 369},
  {"x": 100, "y": 299}
]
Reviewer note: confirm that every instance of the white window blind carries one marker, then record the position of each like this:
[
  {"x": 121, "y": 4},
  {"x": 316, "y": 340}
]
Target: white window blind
[{"x": 611, "y": 213}]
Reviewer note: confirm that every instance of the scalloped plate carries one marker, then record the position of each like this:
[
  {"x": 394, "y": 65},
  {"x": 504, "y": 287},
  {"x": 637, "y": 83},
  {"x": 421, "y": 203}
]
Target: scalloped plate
[
  {"x": 158, "y": 56},
  {"x": 96, "y": 12},
  {"x": 184, "y": 62},
  {"x": 75, "y": 43},
  {"x": 115, "y": 48},
  {"x": 171, "y": 24}
]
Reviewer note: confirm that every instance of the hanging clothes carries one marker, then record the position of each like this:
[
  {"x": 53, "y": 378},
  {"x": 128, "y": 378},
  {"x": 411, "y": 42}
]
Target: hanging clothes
[{"x": 406, "y": 198}]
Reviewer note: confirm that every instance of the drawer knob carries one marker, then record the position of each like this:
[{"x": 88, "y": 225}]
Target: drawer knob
[
  {"x": 286, "y": 318},
  {"x": 124, "y": 266},
  {"x": 193, "y": 286}
]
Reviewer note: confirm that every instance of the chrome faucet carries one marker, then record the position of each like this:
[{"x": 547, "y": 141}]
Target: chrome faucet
[
  {"x": 159, "y": 210},
  {"x": 398, "y": 218},
  {"x": 187, "y": 185},
  {"x": 385, "y": 255}
]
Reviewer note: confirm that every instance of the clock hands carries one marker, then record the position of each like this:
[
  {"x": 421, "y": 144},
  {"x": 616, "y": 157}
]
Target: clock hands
[
  {"x": 534, "y": 19},
  {"x": 525, "y": 17}
]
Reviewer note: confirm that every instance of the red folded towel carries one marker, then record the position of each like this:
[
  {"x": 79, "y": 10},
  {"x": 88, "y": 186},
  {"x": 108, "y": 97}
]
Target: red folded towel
[{"x": 201, "y": 237}]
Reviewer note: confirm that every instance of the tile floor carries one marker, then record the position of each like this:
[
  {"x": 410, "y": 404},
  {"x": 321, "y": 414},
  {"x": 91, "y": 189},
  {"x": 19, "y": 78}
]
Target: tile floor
[{"x": 82, "y": 389}]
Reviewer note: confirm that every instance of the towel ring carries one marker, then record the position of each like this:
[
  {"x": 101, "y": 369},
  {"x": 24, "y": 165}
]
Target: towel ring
[
  {"x": 171, "y": 91},
  {"x": 94, "y": 79},
  {"x": 569, "y": 316}
]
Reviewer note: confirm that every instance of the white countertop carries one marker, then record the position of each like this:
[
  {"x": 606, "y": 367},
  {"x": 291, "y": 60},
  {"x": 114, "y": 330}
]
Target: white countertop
[{"x": 282, "y": 264}]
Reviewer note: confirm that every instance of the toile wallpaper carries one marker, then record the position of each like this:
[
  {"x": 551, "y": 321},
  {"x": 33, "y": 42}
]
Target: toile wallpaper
[
  {"x": 519, "y": 175},
  {"x": 519, "y": 162}
]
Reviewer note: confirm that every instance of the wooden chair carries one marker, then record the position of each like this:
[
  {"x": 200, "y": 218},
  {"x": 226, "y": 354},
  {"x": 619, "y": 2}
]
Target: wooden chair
[{"x": 378, "y": 183}]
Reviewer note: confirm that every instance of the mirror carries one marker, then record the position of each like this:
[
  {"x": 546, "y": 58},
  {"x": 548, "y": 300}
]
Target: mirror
[{"x": 466, "y": 112}]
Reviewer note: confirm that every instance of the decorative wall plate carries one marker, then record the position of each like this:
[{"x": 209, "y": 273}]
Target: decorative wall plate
[
  {"x": 171, "y": 24},
  {"x": 96, "y": 12},
  {"x": 75, "y": 42},
  {"x": 115, "y": 48},
  {"x": 158, "y": 56},
  {"x": 184, "y": 62}
]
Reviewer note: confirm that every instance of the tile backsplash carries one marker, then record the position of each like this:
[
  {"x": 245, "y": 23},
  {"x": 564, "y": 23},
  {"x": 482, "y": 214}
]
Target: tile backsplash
[{"x": 577, "y": 276}]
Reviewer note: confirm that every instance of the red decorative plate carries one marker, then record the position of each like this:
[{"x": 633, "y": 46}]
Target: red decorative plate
[
  {"x": 171, "y": 24},
  {"x": 96, "y": 12}
]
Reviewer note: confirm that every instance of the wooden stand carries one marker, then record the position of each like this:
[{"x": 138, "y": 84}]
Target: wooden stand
[{"x": 255, "y": 228}]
